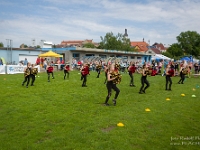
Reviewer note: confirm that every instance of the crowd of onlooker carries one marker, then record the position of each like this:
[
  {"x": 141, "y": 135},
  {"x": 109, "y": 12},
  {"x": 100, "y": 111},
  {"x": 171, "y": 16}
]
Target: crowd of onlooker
[{"x": 157, "y": 65}]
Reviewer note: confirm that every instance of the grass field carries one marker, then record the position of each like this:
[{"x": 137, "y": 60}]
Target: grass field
[{"x": 62, "y": 115}]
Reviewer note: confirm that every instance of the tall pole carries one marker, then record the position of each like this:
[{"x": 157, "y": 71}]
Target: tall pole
[
  {"x": 7, "y": 42},
  {"x": 11, "y": 50}
]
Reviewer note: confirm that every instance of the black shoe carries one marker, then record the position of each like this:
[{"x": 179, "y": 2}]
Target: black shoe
[
  {"x": 133, "y": 85},
  {"x": 182, "y": 83},
  {"x": 169, "y": 89},
  {"x": 27, "y": 86},
  {"x": 114, "y": 102},
  {"x": 32, "y": 85},
  {"x": 166, "y": 89},
  {"x": 140, "y": 92},
  {"x": 106, "y": 104},
  {"x": 53, "y": 78},
  {"x": 143, "y": 91},
  {"x": 48, "y": 80},
  {"x": 22, "y": 84},
  {"x": 179, "y": 83}
]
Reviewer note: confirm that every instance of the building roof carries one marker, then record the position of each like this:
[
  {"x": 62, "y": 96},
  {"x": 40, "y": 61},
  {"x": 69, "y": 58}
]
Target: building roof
[
  {"x": 140, "y": 45},
  {"x": 160, "y": 46},
  {"x": 78, "y": 43},
  {"x": 157, "y": 51}
]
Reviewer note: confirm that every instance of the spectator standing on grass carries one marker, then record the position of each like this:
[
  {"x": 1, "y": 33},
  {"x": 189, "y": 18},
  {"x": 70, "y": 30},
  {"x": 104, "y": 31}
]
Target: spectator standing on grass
[
  {"x": 169, "y": 73},
  {"x": 45, "y": 63},
  {"x": 1, "y": 62},
  {"x": 38, "y": 61},
  {"x": 196, "y": 68},
  {"x": 25, "y": 62}
]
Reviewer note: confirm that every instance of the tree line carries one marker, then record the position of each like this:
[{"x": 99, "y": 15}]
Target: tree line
[{"x": 188, "y": 44}]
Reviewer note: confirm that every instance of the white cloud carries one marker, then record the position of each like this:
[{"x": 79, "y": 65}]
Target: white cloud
[{"x": 57, "y": 20}]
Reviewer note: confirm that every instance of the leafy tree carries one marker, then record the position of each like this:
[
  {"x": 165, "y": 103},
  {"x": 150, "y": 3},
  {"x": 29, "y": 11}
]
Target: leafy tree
[
  {"x": 118, "y": 42},
  {"x": 1, "y": 44},
  {"x": 23, "y": 46},
  {"x": 167, "y": 54},
  {"x": 175, "y": 50},
  {"x": 89, "y": 45},
  {"x": 38, "y": 46},
  {"x": 189, "y": 42}
]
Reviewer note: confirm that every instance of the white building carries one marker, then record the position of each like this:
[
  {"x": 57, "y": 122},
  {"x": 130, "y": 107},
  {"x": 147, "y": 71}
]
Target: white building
[{"x": 46, "y": 44}]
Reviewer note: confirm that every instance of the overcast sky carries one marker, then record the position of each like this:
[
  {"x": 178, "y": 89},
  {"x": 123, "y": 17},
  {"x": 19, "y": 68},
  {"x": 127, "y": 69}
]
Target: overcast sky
[{"x": 57, "y": 20}]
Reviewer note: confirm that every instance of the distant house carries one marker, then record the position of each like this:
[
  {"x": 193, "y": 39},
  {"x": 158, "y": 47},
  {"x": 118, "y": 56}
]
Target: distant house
[
  {"x": 45, "y": 44},
  {"x": 140, "y": 46},
  {"x": 76, "y": 43},
  {"x": 160, "y": 47}
]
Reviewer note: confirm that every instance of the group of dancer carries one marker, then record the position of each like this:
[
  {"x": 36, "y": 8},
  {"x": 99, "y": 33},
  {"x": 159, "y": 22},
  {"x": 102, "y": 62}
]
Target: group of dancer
[
  {"x": 29, "y": 73},
  {"x": 112, "y": 75}
]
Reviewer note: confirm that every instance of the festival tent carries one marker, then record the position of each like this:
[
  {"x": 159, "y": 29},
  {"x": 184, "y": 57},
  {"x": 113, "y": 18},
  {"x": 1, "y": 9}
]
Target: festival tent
[
  {"x": 186, "y": 59},
  {"x": 160, "y": 57},
  {"x": 59, "y": 56},
  {"x": 195, "y": 60},
  {"x": 49, "y": 54}
]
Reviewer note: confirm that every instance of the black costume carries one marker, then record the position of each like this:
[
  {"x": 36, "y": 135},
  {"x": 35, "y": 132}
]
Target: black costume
[
  {"x": 169, "y": 73},
  {"x": 131, "y": 71},
  {"x": 144, "y": 81},
  {"x": 50, "y": 71},
  {"x": 110, "y": 85},
  {"x": 34, "y": 72},
  {"x": 27, "y": 76},
  {"x": 182, "y": 75},
  {"x": 98, "y": 70},
  {"x": 66, "y": 71},
  {"x": 84, "y": 72}
]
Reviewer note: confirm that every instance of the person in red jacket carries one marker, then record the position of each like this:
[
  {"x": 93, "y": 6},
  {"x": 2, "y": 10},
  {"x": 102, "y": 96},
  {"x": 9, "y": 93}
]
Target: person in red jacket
[
  {"x": 49, "y": 71},
  {"x": 66, "y": 70},
  {"x": 84, "y": 72},
  {"x": 131, "y": 70}
]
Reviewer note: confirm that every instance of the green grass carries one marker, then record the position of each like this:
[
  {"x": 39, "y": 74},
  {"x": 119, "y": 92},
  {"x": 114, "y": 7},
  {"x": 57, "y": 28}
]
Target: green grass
[{"x": 62, "y": 115}]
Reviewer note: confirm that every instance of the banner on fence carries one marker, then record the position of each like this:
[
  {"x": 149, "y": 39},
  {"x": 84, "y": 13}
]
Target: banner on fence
[
  {"x": 2, "y": 69},
  {"x": 13, "y": 69}
]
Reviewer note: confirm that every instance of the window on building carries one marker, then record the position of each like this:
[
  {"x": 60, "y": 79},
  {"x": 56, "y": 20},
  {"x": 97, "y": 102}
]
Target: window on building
[
  {"x": 132, "y": 57},
  {"x": 102, "y": 56},
  {"x": 118, "y": 56},
  {"x": 138, "y": 57},
  {"x": 76, "y": 55},
  {"x": 89, "y": 54}
]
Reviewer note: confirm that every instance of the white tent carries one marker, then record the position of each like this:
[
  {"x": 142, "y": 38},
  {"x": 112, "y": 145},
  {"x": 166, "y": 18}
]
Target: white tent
[
  {"x": 195, "y": 60},
  {"x": 159, "y": 56}
]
